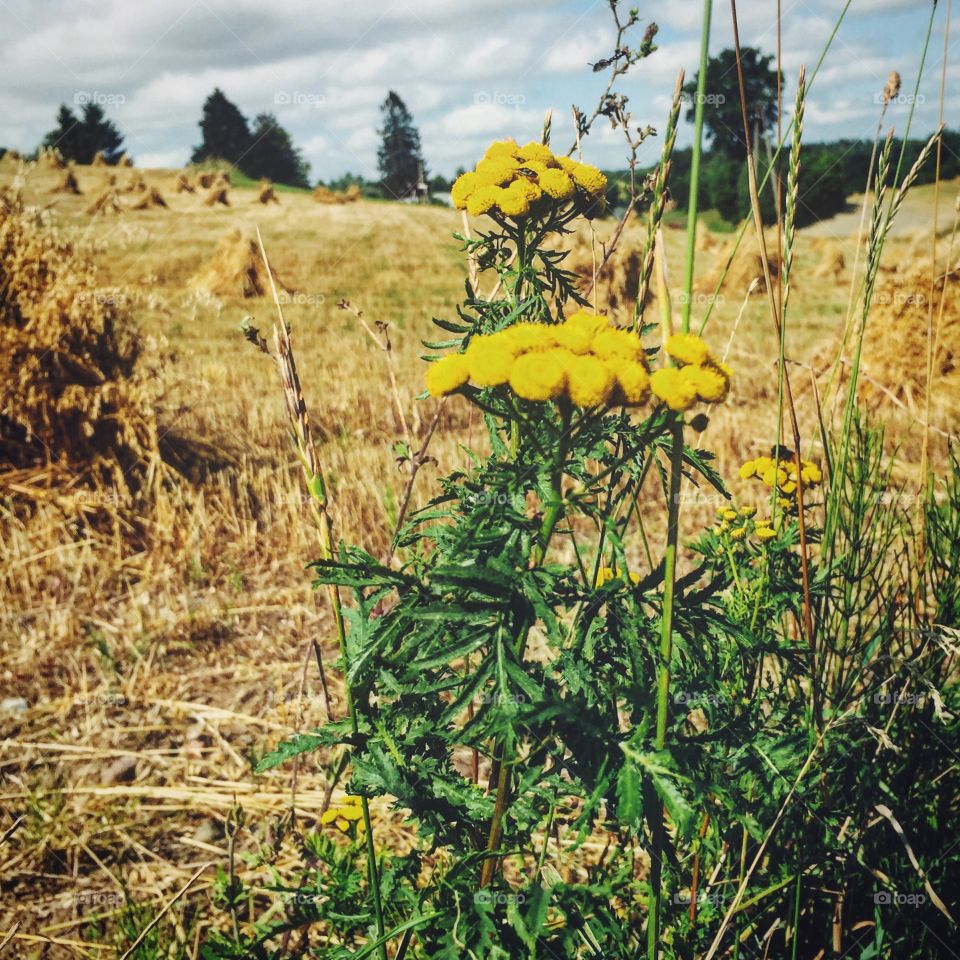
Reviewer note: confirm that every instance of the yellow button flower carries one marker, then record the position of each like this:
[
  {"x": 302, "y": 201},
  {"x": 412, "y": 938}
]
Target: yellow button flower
[
  {"x": 539, "y": 376},
  {"x": 674, "y": 390},
  {"x": 765, "y": 533},
  {"x": 556, "y": 184},
  {"x": 633, "y": 380},
  {"x": 748, "y": 470},
  {"x": 611, "y": 342},
  {"x": 687, "y": 348},
  {"x": 514, "y": 203},
  {"x": 449, "y": 373},
  {"x": 488, "y": 362},
  {"x": 535, "y": 151},
  {"x": 502, "y": 148},
  {"x": 483, "y": 199},
  {"x": 590, "y": 381},
  {"x": 589, "y": 178},
  {"x": 463, "y": 188}
]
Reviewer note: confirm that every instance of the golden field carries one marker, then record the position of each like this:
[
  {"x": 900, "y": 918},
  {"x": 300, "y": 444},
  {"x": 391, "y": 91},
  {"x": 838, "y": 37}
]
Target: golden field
[{"x": 155, "y": 641}]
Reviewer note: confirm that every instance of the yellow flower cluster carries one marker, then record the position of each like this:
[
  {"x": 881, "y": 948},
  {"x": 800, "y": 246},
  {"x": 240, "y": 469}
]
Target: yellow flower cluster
[
  {"x": 583, "y": 358},
  {"x": 516, "y": 181},
  {"x": 343, "y": 814},
  {"x": 740, "y": 523},
  {"x": 606, "y": 574},
  {"x": 783, "y": 475},
  {"x": 699, "y": 376}
]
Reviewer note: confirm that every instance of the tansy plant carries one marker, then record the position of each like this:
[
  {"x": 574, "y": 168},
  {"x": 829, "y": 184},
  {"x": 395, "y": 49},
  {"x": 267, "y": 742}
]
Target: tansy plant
[{"x": 592, "y": 749}]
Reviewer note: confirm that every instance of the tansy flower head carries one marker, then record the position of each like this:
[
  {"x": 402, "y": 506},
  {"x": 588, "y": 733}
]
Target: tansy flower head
[
  {"x": 687, "y": 348},
  {"x": 606, "y": 574},
  {"x": 488, "y": 362},
  {"x": 343, "y": 814},
  {"x": 539, "y": 376},
  {"x": 556, "y": 184},
  {"x": 497, "y": 171},
  {"x": 483, "y": 199},
  {"x": 747, "y": 511},
  {"x": 611, "y": 342},
  {"x": 709, "y": 385},
  {"x": 449, "y": 373},
  {"x": 738, "y": 533},
  {"x": 765, "y": 533},
  {"x": 462, "y": 188},
  {"x": 502, "y": 148},
  {"x": 536, "y": 151},
  {"x": 633, "y": 381},
  {"x": 514, "y": 203},
  {"x": 748, "y": 470},
  {"x": 674, "y": 390},
  {"x": 524, "y": 337},
  {"x": 590, "y": 381},
  {"x": 729, "y": 514},
  {"x": 589, "y": 178}
]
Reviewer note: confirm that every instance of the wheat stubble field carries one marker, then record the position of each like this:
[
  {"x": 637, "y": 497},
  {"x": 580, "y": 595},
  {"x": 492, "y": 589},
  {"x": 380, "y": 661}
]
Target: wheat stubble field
[{"x": 159, "y": 631}]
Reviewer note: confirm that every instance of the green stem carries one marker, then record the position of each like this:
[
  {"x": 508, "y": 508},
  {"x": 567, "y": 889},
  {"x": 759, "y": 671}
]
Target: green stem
[
  {"x": 695, "y": 167},
  {"x": 663, "y": 674}
]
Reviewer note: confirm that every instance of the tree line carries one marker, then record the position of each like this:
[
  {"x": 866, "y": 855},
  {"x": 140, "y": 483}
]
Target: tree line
[{"x": 263, "y": 149}]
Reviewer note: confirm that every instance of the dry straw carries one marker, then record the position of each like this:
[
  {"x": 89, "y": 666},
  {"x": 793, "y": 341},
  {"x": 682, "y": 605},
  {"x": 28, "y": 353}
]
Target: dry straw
[{"x": 237, "y": 269}]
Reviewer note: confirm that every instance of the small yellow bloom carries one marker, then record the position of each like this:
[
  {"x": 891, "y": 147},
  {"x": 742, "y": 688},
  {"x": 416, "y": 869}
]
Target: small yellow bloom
[
  {"x": 502, "y": 148},
  {"x": 527, "y": 188},
  {"x": 449, "y": 373},
  {"x": 575, "y": 337},
  {"x": 738, "y": 533},
  {"x": 483, "y": 199},
  {"x": 674, "y": 390},
  {"x": 539, "y": 376},
  {"x": 514, "y": 203},
  {"x": 589, "y": 178},
  {"x": 556, "y": 184},
  {"x": 811, "y": 474},
  {"x": 632, "y": 379},
  {"x": 765, "y": 533},
  {"x": 710, "y": 386},
  {"x": 748, "y": 470},
  {"x": 524, "y": 337},
  {"x": 729, "y": 514},
  {"x": 489, "y": 363},
  {"x": 536, "y": 151},
  {"x": 590, "y": 381},
  {"x": 606, "y": 574},
  {"x": 611, "y": 342},
  {"x": 497, "y": 171},
  {"x": 343, "y": 814},
  {"x": 762, "y": 522},
  {"x": 785, "y": 502},
  {"x": 747, "y": 511},
  {"x": 687, "y": 348},
  {"x": 789, "y": 487},
  {"x": 462, "y": 189}
]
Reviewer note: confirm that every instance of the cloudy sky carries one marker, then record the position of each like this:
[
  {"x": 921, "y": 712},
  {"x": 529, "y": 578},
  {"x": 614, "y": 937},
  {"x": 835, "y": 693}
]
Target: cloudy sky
[{"x": 469, "y": 70}]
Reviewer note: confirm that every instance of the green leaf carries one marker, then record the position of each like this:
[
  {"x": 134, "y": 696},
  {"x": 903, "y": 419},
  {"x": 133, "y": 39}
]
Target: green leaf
[{"x": 629, "y": 794}]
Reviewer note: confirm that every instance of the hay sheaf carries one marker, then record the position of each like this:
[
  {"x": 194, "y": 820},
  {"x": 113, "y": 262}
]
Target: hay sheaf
[
  {"x": 617, "y": 281},
  {"x": 136, "y": 184},
  {"x": 216, "y": 195},
  {"x": 68, "y": 184},
  {"x": 183, "y": 185},
  {"x": 266, "y": 193},
  {"x": 108, "y": 202},
  {"x": 78, "y": 383},
  {"x": 743, "y": 266},
  {"x": 237, "y": 269},
  {"x": 895, "y": 346},
  {"x": 151, "y": 199},
  {"x": 323, "y": 195},
  {"x": 832, "y": 262},
  {"x": 99, "y": 159}
]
